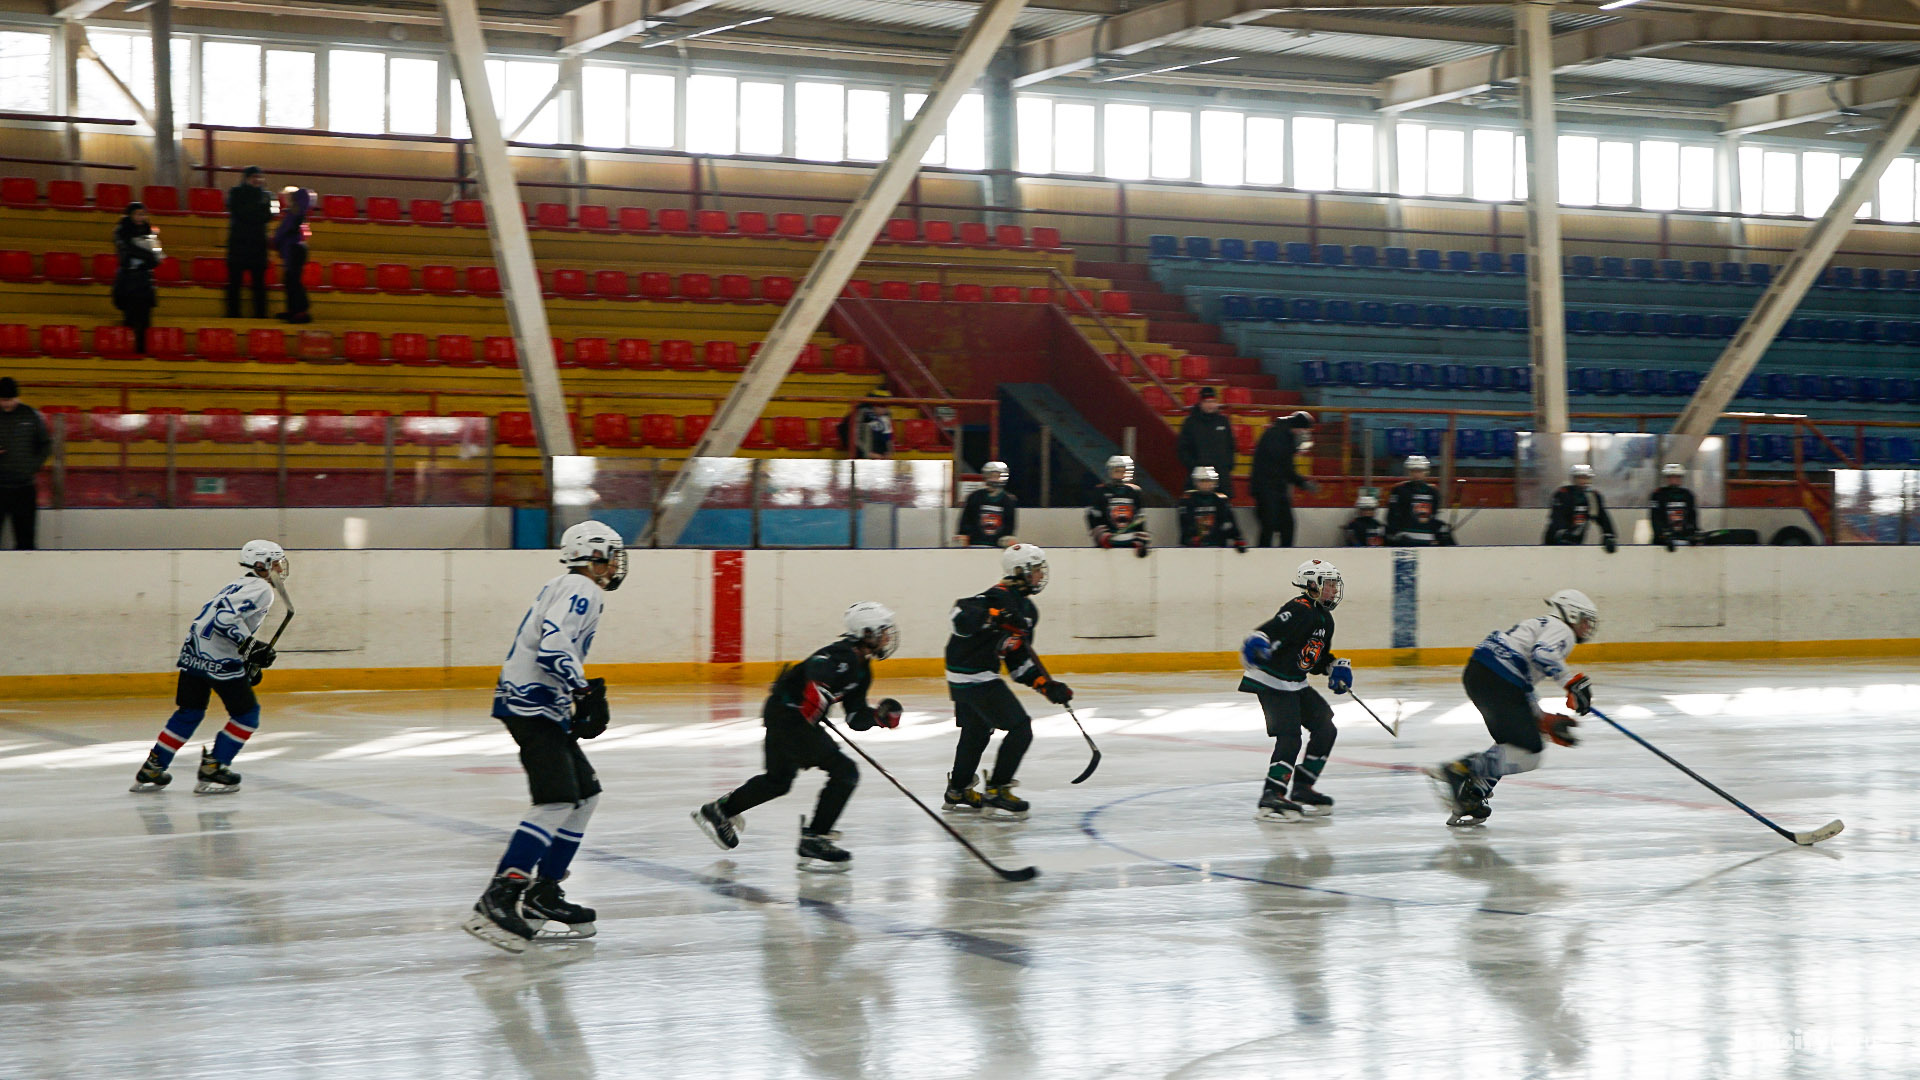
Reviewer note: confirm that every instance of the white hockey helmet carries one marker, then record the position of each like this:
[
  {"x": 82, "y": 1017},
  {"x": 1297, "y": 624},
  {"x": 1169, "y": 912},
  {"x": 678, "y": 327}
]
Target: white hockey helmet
[
  {"x": 995, "y": 473},
  {"x": 1321, "y": 581},
  {"x": 1120, "y": 461},
  {"x": 1581, "y": 472},
  {"x": 1576, "y": 609},
  {"x": 1026, "y": 566},
  {"x": 1418, "y": 463},
  {"x": 872, "y": 624},
  {"x": 265, "y": 554},
  {"x": 1366, "y": 502},
  {"x": 592, "y": 542},
  {"x": 1673, "y": 468},
  {"x": 1206, "y": 473}
]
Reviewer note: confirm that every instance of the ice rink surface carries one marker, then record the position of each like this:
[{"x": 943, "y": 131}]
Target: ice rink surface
[{"x": 1613, "y": 919}]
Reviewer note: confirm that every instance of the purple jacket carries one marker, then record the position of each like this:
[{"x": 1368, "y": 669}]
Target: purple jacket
[{"x": 293, "y": 222}]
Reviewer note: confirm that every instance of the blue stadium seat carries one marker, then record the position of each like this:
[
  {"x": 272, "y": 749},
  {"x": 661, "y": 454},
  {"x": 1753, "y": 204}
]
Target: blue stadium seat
[
  {"x": 1873, "y": 450},
  {"x": 1401, "y": 441},
  {"x": 1613, "y": 266},
  {"x": 1341, "y": 311},
  {"x": 1271, "y": 308},
  {"x": 1768, "y": 448},
  {"x": 1686, "y": 382},
  {"x": 1840, "y": 277},
  {"x": 1759, "y": 273},
  {"x": 1580, "y": 265},
  {"x": 1509, "y": 318},
  {"x": 1386, "y": 373},
  {"x": 1163, "y": 247},
  {"x": 1487, "y": 377},
  {"x": 1840, "y": 388},
  {"x": 1305, "y": 309},
  {"x": 1870, "y": 278},
  {"x": 1315, "y": 373},
  {"x": 1692, "y": 324},
  {"x": 1900, "y": 450},
  {"x": 1809, "y": 387},
  {"x": 1439, "y": 315},
  {"x": 1866, "y": 390},
  {"x": 1426, "y": 259},
  {"x": 1815, "y": 449},
  {"x": 1701, "y": 271},
  {"x": 1520, "y": 378},
  {"x": 1333, "y": 255},
  {"x": 1490, "y": 262},
  {"x": 1473, "y": 316},
  {"x": 1723, "y": 326},
  {"x": 1864, "y": 331},
  {"x": 1603, "y": 322},
  {"x": 1373, "y": 312},
  {"x": 1233, "y": 249},
  {"x": 1895, "y": 391},
  {"x": 1505, "y": 443},
  {"x": 1266, "y": 251},
  {"x": 1197, "y": 247},
  {"x": 1470, "y": 443},
  {"x": 1456, "y": 377},
  {"x": 1398, "y": 258},
  {"x": 1732, "y": 273},
  {"x": 1898, "y": 332},
  {"x": 1642, "y": 269},
  {"x": 1661, "y": 323},
  {"x": 1673, "y": 270},
  {"x": 1365, "y": 256},
  {"x": 1460, "y": 262},
  {"x": 1630, "y": 322},
  {"x": 1298, "y": 252},
  {"x": 1351, "y": 373},
  {"x": 1236, "y": 307},
  {"x": 1432, "y": 441},
  {"x": 1776, "y": 386},
  {"x": 1517, "y": 262},
  {"x": 1422, "y": 377},
  {"x": 1895, "y": 279},
  {"x": 1406, "y": 314},
  {"x": 1578, "y": 322},
  {"x": 1657, "y": 382},
  {"x": 1623, "y": 382},
  {"x": 1836, "y": 330}
]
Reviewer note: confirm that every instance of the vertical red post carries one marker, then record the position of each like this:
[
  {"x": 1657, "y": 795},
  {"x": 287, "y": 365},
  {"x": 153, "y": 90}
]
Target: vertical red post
[
  {"x": 207, "y": 161},
  {"x": 1120, "y": 222},
  {"x": 729, "y": 577}
]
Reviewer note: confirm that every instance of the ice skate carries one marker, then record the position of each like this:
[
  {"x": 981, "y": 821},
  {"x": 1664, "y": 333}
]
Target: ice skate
[
  {"x": 1312, "y": 803},
  {"x": 1449, "y": 784},
  {"x": 719, "y": 828},
  {"x": 215, "y": 778},
  {"x": 1472, "y": 812},
  {"x": 1275, "y": 806},
  {"x": 819, "y": 854},
  {"x": 543, "y": 900},
  {"x": 496, "y": 917},
  {"x": 999, "y": 803},
  {"x": 151, "y": 777},
  {"x": 961, "y": 798}
]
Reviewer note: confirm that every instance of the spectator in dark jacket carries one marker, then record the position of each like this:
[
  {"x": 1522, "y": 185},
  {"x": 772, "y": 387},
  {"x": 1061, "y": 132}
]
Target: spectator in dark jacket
[
  {"x": 24, "y": 446},
  {"x": 290, "y": 240},
  {"x": 1274, "y": 476},
  {"x": 871, "y": 431},
  {"x": 1206, "y": 439},
  {"x": 249, "y": 210},
  {"x": 138, "y": 247}
]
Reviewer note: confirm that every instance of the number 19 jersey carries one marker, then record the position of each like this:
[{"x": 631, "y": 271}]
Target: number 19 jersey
[{"x": 547, "y": 662}]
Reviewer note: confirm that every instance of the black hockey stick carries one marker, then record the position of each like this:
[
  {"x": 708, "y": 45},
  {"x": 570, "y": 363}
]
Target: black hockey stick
[
  {"x": 279, "y": 590},
  {"x": 1025, "y": 873},
  {"x": 1393, "y": 729},
  {"x": 1804, "y": 839},
  {"x": 1095, "y": 763}
]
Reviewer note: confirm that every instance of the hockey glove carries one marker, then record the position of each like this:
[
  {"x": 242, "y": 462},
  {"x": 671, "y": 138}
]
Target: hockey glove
[
  {"x": 1606, "y": 541},
  {"x": 1056, "y": 692},
  {"x": 1255, "y": 650},
  {"x": 1240, "y": 546},
  {"x": 590, "y": 713},
  {"x": 1559, "y": 728},
  {"x": 1103, "y": 538},
  {"x": 861, "y": 719},
  {"x": 1580, "y": 694},
  {"x": 887, "y": 713},
  {"x": 1340, "y": 679},
  {"x": 261, "y": 656},
  {"x": 1140, "y": 547}
]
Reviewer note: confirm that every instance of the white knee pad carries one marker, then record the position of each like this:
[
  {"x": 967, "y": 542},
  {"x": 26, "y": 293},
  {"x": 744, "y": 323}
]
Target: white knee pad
[
  {"x": 1505, "y": 759},
  {"x": 578, "y": 813},
  {"x": 549, "y": 816}
]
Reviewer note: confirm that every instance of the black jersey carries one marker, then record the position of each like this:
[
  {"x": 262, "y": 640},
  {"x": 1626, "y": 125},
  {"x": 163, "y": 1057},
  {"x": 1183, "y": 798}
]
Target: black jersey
[
  {"x": 1115, "y": 507},
  {"x": 1206, "y": 520},
  {"x": 988, "y": 516},
  {"x": 1674, "y": 516},
  {"x": 994, "y": 628},
  {"x": 1365, "y": 531},
  {"x": 1573, "y": 508},
  {"x": 835, "y": 674},
  {"x": 1301, "y": 636},
  {"x": 1413, "y": 513}
]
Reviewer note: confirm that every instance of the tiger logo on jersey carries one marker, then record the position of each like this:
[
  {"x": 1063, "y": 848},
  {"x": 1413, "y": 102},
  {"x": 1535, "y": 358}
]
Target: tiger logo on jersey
[
  {"x": 991, "y": 521},
  {"x": 1203, "y": 521},
  {"x": 1121, "y": 511},
  {"x": 1676, "y": 514},
  {"x": 1310, "y": 653}
]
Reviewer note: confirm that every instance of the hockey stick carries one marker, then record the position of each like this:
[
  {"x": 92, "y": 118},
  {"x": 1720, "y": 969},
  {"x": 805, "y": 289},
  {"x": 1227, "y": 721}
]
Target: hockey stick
[
  {"x": 1025, "y": 873},
  {"x": 1393, "y": 729},
  {"x": 279, "y": 590},
  {"x": 1095, "y": 763},
  {"x": 1804, "y": 839}
]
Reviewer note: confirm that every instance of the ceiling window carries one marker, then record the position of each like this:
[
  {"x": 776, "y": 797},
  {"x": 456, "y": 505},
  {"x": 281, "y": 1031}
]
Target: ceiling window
[
  {"x": 1074, "y": 138},
  {"x": 1223, "y": 147},
  {"x": 1752, "y": 179},
  {"x": 869, "y": 119},
  {"x": 1779, "y": 183},
  {"x": 1033, "y": 134},
  {"x": 1820, "y": 175},
  {"x": 819, "y": 121},
  {"x": 650, "y": 109},
  {"x": 763, "y": 118},
  {"x": 1493, "y": 165},
  {"x": 1410, "y": 158},
  {"x": 711, "y": 104},
  {"x": 288, "y": 89},
  {"x": 1896, "y": 191},
  {"x": 1266, "y": 150},
  {"x": 1313, "y": 153},
  {"x": 1699, "y": 178},
  {"x": 1659, "y": 174},
  {"x": 967, "y": 133},
  {"x": 229, "y": 83},
  {"x": 26, "y": 71},
  {"x": 357, "y": 91},
  {"x": 413, "y": 99},
  {"x": 1616, "y": 173},
  {"x": 1172, "y": 144},
  {"x": 1353, "y": 161},
  {"x": 1579, "y": 170},
  {"x": 131, "y": 58},
  {"x": 1128, "y": 141},
  {"x": 603, "y": 105},
  {"x": 1446, "y": 162}
]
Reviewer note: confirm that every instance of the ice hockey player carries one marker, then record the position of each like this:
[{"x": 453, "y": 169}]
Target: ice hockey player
[
  {"x": 991, "y": 513},
  {"x": 838, "y": 673},
  {"x": 1499, "y": 680},
  {"x": 220, "y": 656},
  {"x": 1115, "y": 517},
  {"x": 1365, "y": 529},
  {"x": 548, "y": 705},
  {"x": 1675, "y": 517},
  {"x": 1413, "y": 509},
  {"x": 1295, "y": 643},
  {"x": 994, "y": 628},
  {"x": 1206, "y": 514},
  {"x": 1573, "y": 507}
]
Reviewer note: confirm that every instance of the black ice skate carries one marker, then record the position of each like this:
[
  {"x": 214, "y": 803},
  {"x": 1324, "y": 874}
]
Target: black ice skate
[
  {"x": 1000, "y": 803},
  {"x": 496, "y": 916},
  {"x": 1312, "y": 803},
  {"x": 961, "y": 798},
  {"x": 1275, "y": 806},
  {"x": 544, "y": 901},
  {"x": 1459, "y": 792},
  {"x": 717, "y": 825},
  {"x": 215, "y": 778},
  {"x": 1472, "y": 812},
  {"x": 151, "y": 777},
  {"x": 820, "y": 854}
]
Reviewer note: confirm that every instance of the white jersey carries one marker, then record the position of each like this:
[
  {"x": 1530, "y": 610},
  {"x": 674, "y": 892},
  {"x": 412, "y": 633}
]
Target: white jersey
[
  {"x": 547, "y": 662},
  {"x": 224, "y": 626},
  {"x": 1529, "y": 652}
]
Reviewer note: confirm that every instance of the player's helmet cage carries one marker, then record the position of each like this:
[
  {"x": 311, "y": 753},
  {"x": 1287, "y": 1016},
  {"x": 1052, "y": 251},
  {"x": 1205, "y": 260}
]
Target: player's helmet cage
[
  {"x": 1120, "y": 462},
  {"x": 1581, "y": 472},
  {"x": 873, "y": 624},
  {"x": 1673, "y": 468},
  {"x": 1577, "y": 610},
  {"x": 1026, "y": 566},
  {"x": 1321, "y": 581},
  {"x": 996, "y": 473},
  {"x": 265, "y": 554},
  {"x": 1367, "y": 503},
  {"x": 592, "y": 542},
  {"x": 1419, "y": 463},
  {"x": 1206, "y": 474}
]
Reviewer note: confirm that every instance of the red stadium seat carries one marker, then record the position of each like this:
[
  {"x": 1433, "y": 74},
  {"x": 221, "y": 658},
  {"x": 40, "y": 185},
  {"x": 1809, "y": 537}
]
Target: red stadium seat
[
  {"x": 315, "y": 345},
  {"x": 592, "y": 353},
  {"x": 895, "y": 290},
  {"x": 678, "y": 355},
  {"x": 736, "y": 287},
  {"x": 113, "y": 342},
  {"x": 825, "y": 225},
  {"x": 1080, "y": 301},
  {"x": 791, "y": 433},
  {"x": 363, "y": 347},
  {"x": 1045, "y": 237},
  {"x": 186, "y": 429},
  {"x": 712, "y": 221},
  {"x": 108, "y": 424},
  {"x": 20, "y": 192},
  {"x": 410, "y": 349},
  {"x": 216, "y": 343},
  {"x": 1114, "y": 302},
  {"x": 166, "y": 343},
  {"x": 757, "y": 437},
  {"x": 340, "y": 207},
  {"x": 1007, "y": 294},
  {"x": 938, "y": 232},
  {"x": 790, "y": 224},
  {"x": 656, "y": 284},
  {"x": 369, "y": 426},
  {"x": 723, "y": 356},
  {"x": 776, "y": 287},
  {"x": 393, "y": 278},
  {"x": 903, "y": 231},
  {"x": 596, "y": 218},
  {"x": 808, "y": 360},
  {"x": 1195, "y": 367},
  {"x": 614, "y": 429},
  {"x": 929, "y": 291},
  {"x": 550, "y": 215},
  {"x": 16, "y": 340},
  {"x": 850, "y": 356},
  {"x": 60, "y": 340},
  {"x": 206, "y": 202},
  {"x": 383, "y": 208},
  {"x": 659, "y": 430},
  {"x": 268, "y": 347},
  {"x": 169, "y": 272},
  {"x": 210, "y": 270},
  {"x": 612, "y": 283},
  {"x": 1039, "y": 294},
  {"x": 1244, "y": 438},
  {"x": 471, "y": 213},
  {"x": 674, "y": 219},
  {"x": 483, "y": 280},
  {"x": 456, "y": 350},
  {"x": 635, "y": 219},
  {"x": 349, "y": 277},
  {"x": 1157, "y": 399},
  {"x": 1236, "y": 395},
  {"x": 160, "y": 199},
  {"x": 1010, "y": 236},
  {"x": 112, "y": 197},
  {"x": 515, "y": 428},
  {"x": 225, "y": 425},
  {"x": 918, "y": 433},
  {"x": 970, "y": 294},
  {"x": 1158, "y": 363},
  {"x": 427, "y": 211},
  {"x": 64, "y": 266},
  {"x": 329, "y": 427},
  {"x": 973, "y": 234},
  {"x": 750, "y": 223},
  {"x": 440, "y": 279},
  {"x": 569, "y": 282},
  {"x": 635, "y": 354},
  {"x": 67, "y": 420},
  {"x": 694, "y": 426},
  {"x": 17, "y": 266},
  {"x": 66, "y": 195},
  {"x": 696, "y": 286},
  {"x": 858, "y": 287},
  {"x": 500, "y": 352}
]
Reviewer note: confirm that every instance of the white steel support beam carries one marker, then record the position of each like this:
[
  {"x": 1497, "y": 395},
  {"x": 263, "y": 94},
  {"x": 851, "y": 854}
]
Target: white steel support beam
[
  {"x": 507, "y": 231},
  {"x": 606, "y": 22},
  {"x": 166, "y": 141},
  {"x": 1546, "y": 295},
  {"x": 1136, "y": 31},
  {"x": 832, "y": 269},
  {"x": 1811, "y": 103},
  {"x": 1803, "y": 268},
  {"x": 80, "y": 9}
]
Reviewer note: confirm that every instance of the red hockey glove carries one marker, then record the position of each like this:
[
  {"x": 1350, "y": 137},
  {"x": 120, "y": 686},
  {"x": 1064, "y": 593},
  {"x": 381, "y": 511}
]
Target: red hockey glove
[
  {"x": 1054, "y": 691},
  {"x": 1580, "y": 694},
  {"x": 1559, "y": 728},
  {"x": 887, "y": 714}
]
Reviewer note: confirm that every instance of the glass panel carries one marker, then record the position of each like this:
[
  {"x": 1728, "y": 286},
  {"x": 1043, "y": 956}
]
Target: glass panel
[
  {"x": 26, "y": 72},
  {"x": 712, "y": 102},
  {"x": 1355, "y": 158},
  {"x": 1660, "y": 175},
  {"x": 1446, "y": 162},
  {"x": 967, "y": 134},
  {"x": 603, "y": 106},
  {"x": 1172, "y": 144},
  {"x": 1821, "y": 172},
  {"x": 868, "y": 116},
  {"x": 1579, "y": 170},
  {"x": 1520, "y": 167},
  {"x": 1266, "y": 150},
  {"x": 356, "y": 91},
  {"x": 1896, "y": 191},
  {"x": 527, "y": 83},
  {"x": 650, "y": 110},
  {"x": 290, "y": 88},
  {"x": 937, "y": 150},
  {"x": 763, "y": 119},
  {"x": 1616, "y": 173},
  {"x": 129, "y": 57},
  {"x": 1313, "y": 153},
  {"x": 1699, "y": 178},
  {"x": 413, "y": 96},
  {"x": 1223, "y": 147},
  {"x": 1073, "y": 127},
  {"x": 1848, "y": 166},
  {"x": 1493, "y": 164},
  {"x": 1411, "y": 140},
  {"x": 229, "y": 83},
  {"x": 1779, "y": 190},
  {"x": 1127, "y": 141},
  {"x": 1033, "y": 131},
  {"x": 1752, "y": 180},
  {"x": 819, "y": 121}
]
